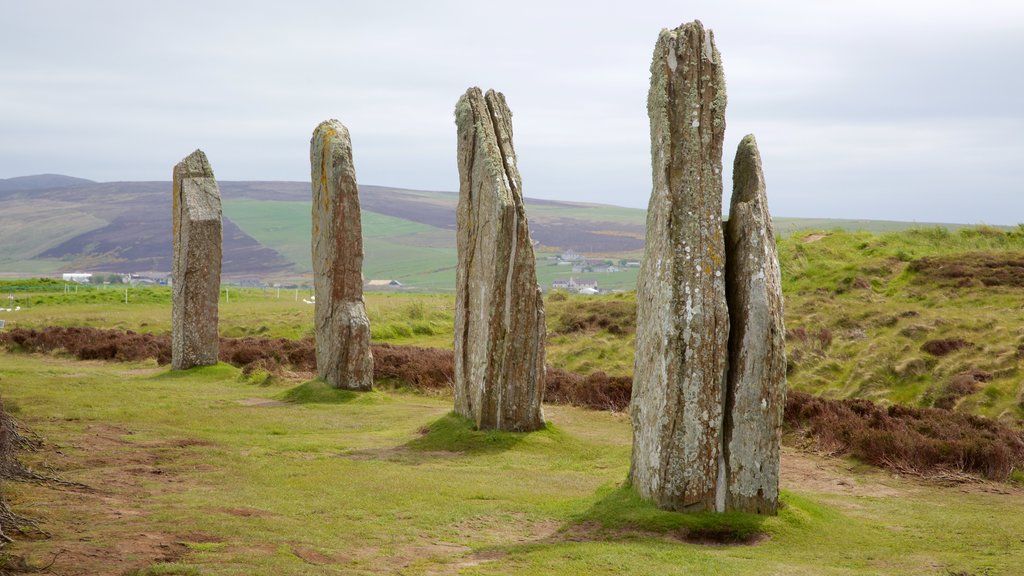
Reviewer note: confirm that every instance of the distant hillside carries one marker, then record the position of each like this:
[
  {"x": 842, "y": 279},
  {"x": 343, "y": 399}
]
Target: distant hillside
[
  {"x": 55, "y": 223},
  {"x": 42, "y": 182}
]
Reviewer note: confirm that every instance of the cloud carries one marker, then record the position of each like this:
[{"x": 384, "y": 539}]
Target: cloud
[{"x": 871, "y": 109}]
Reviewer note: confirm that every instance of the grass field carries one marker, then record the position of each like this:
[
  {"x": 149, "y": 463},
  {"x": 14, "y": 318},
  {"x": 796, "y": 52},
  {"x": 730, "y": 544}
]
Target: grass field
[
  {"x": 415, "y": 254},
  {"x": 205, "y": 472}
]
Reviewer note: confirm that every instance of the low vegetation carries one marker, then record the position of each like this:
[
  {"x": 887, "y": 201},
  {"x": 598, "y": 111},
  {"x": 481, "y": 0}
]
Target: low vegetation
[
  {"x": 391, "y": 482},
  {"x": 923, "y": 440}
]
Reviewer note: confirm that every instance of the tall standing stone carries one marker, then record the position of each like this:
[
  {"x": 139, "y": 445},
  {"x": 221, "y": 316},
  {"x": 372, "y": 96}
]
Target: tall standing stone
[
  {"x": 196, "y": 263},
  {"x": 343, "y": 357},
  {"x": 499, "y": 312},
  {"x": 682, "y": 319},
  {"x": 756, "y": 389}
]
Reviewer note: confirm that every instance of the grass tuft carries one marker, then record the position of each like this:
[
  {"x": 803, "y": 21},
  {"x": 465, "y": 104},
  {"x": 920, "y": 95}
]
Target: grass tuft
[
  {"x": 318, "y": 392},
  {"x": 455, "y": 433}
]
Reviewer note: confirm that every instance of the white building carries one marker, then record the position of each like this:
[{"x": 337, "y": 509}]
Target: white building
[
  {"x": 574, "y": 285},
  {"x": 80, "y": 277}
]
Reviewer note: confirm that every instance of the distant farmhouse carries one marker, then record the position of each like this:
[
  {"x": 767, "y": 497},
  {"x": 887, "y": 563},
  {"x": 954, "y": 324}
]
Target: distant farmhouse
[
  {"x": 80, "y": 277},
  {"x": 148, "y": 279},
  {"x": 571, "y": 256},
  {"x": 594, "y": 266},
  {"x": 383, "y": 284},
  {"x": 578, "y": 286}
]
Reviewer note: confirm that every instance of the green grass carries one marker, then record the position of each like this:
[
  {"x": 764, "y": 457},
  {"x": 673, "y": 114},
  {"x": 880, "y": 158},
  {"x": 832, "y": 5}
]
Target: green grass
[
  {"x": 415, "y": 254},
  {"x": 396, "y": 484},
  {"x": 319, "y": 392}
]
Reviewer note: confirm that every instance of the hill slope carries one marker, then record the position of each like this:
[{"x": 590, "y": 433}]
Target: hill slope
[{"x": 57, "y": 223}]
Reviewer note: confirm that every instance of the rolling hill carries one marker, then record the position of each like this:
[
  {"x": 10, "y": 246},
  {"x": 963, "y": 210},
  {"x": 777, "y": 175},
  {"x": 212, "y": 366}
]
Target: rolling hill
[{"x": 55, "y": 223}]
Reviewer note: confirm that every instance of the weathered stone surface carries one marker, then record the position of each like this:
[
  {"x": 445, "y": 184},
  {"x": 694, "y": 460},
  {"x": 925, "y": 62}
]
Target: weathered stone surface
[
  {"x": 682, "y": 319},
  {"x": 343, "y": 357},
  {"x": 196, "y": 263},
  {"x": 756, "y": 387},
  {"x": 499, "y": 312}
]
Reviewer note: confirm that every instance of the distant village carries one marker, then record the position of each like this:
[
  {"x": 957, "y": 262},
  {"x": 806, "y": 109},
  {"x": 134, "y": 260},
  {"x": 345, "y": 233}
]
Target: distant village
[
  {"x": 574, "y": 262},
  {"x": 578, "y": 264}
]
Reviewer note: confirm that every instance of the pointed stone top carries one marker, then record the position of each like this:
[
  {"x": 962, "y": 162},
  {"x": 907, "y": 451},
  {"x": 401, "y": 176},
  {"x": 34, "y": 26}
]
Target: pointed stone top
[
  {"x": 475, "y": 95},
  {"x": 196, "y": 187},
  {"x": 332, "y": 127},
  {"x": 747, "y": 173},
  {"x": 195, "y": 165},
  {"x": 485, "y": 120}
]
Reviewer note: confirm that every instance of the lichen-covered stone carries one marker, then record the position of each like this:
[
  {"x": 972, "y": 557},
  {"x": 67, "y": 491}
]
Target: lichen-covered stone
[
  {"x": 682, "y": 320},
  {"x": 196, "y": 263},
  {"x": 343, "y": 357},
  {"x": 756, "y": 387},
  {"x": 499, "y": 312}
]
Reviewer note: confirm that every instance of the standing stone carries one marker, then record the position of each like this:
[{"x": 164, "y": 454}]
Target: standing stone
[
  {"x": 499, "y": 312},
  {"x": 756, "y": 393},
  {"x": 196, "y": 265},
  {"x": 682, "y": 319},
  {"x": 343, "y": 357}
]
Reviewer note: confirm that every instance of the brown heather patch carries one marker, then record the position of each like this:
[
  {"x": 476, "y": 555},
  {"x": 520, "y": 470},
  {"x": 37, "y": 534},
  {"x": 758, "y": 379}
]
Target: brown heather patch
[
  {"x": 923, "y": 440},
  {"x": 959, "y": 386},
  {"x": 973, "y": 269},
  {"x": 945, "y": 346}
]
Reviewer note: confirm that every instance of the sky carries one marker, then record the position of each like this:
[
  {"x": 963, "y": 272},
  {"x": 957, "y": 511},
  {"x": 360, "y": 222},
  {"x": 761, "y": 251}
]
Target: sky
[{"x": 897, "y": 110}]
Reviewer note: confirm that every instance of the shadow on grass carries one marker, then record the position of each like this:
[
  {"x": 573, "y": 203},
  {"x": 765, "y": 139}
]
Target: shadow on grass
[
  {"x": 455, "y": 433},
  {"x": 622, "y": 514},
  {"x": 317, "y": 391},
  {"x": 619, "y": 515}
]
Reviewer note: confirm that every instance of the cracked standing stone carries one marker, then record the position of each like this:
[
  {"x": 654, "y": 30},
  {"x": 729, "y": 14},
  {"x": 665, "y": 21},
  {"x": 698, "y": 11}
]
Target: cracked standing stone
[{"x": 499, "y": 313}]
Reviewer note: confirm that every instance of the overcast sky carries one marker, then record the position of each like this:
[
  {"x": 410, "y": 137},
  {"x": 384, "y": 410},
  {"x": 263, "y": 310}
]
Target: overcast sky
[{"x": 866, "y": 109}]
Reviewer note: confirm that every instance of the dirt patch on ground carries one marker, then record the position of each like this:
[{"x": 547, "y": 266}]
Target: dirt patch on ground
[
  {"x": 245, "y": 512},
  {"x": 490, "y": 530},
  {"x": 973, "y": 269},
  {"x": 399, "y": 454},
  {"x": 809, "y": 473},
  {"x": 813, "y": 238},
  {"x": 91, "y": 530},
  {"x": 263, "y": 403}
]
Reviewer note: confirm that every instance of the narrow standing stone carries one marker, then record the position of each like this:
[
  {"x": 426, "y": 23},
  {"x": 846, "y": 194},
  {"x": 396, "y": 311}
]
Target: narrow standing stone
[
  {"x": 196, "y": 265},
  {"x": 499, "y": 312},
  {"x": 756, "y": 393},
  {"x": 343, "y": 357},
  {"x": 682, "y": 320}
]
